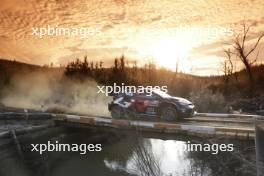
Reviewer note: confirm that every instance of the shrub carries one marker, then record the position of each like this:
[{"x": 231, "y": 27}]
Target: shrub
[{"x": 207, "y": 101}]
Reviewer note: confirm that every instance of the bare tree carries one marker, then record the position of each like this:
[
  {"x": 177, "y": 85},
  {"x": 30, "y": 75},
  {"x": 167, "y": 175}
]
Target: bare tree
[
  {"x": 244, "y": 54},
  {"x": 229, "y": 66},
  {"x": 229, "y": 62},
  {"x": 145, "y": 162}
]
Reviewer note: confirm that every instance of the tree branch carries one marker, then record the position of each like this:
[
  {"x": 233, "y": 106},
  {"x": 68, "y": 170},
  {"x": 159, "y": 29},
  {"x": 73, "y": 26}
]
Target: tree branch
[{"x": 256, "y": 44}]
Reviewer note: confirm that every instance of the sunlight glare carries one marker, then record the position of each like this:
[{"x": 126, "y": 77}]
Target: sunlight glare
[{"x": 167, "y": 52}]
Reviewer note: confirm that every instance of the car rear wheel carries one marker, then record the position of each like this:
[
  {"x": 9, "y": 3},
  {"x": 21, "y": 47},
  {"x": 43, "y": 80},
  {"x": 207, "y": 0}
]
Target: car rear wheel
[
  {"x": 117, "y": 112},
  {"x": 169, "y": 114}
]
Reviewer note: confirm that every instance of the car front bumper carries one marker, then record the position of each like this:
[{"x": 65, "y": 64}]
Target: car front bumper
[{"x": 187, "y": 111}]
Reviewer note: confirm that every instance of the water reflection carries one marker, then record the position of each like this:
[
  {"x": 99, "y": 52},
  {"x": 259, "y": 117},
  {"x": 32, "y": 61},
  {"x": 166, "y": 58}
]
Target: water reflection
[
  {"x": 173, "y": 157},
  {"x": 150, "y": 157},
  {"x": 122, "y": 155},
  {"x": 157, "y": 157}
]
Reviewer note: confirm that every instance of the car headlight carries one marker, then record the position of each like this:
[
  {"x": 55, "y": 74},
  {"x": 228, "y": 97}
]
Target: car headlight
[{"x": 184, "y": 102}]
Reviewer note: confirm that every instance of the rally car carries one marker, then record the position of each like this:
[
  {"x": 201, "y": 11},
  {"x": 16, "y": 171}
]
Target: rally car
[{"x": 158, "y": 104}]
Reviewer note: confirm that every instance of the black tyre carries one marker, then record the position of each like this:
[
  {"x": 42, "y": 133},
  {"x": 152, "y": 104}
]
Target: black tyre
[
  {"x": 129, "y": 114},
  {"x": 169, "y": 114},
  {"x": 117, "y": 112}
]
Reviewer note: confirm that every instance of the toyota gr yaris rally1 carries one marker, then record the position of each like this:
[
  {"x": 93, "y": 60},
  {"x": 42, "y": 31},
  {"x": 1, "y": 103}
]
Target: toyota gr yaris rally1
[{"x": 158, "y": 104}]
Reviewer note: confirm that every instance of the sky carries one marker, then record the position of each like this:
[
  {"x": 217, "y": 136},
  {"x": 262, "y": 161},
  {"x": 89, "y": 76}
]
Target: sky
[{"x": 192, "y": 33}]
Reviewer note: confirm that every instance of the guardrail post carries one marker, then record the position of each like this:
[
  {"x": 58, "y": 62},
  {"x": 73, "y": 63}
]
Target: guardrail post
[
  {"x": 26, "y": 114},
  {"x": 259, "y": 141},
  {"x": 18, "y": 147}
]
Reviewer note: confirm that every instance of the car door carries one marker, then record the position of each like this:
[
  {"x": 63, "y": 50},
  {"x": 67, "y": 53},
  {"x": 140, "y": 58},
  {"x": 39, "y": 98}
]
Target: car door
[{"x": 147, "y": 104}]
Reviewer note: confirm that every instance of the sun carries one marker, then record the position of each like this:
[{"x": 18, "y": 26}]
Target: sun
[
  {"x": 168, "y": 52},
  {"x": 169, "y": 49}
]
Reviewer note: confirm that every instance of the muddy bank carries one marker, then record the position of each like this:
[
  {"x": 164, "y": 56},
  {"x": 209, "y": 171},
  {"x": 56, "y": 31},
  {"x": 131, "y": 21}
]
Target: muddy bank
[{"x": 26, "y": 162}]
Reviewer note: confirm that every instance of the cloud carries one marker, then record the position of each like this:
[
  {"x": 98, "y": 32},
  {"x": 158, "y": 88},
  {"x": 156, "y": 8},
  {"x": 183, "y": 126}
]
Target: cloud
[{"x": 122, "y": 23}]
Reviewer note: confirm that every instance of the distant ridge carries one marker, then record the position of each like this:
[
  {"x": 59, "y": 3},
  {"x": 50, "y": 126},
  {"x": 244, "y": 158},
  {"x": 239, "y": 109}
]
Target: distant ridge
[{"x": 13, "y": 66}]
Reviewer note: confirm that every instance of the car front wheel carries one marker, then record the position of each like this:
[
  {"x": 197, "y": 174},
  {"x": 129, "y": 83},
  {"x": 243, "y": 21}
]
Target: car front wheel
[{"x": 169, "y": 114}]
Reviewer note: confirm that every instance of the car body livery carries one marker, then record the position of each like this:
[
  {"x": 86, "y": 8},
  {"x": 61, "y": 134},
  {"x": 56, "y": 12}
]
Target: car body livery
[{"x": 158, "y": 104}]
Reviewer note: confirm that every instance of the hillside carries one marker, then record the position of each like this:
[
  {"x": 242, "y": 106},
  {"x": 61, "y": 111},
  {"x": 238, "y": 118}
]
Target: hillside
[{"x": 9, "y": 68}]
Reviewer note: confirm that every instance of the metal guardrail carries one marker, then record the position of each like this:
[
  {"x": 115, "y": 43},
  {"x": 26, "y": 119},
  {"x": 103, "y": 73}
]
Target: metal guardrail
[
  {"x": 224, "y": 115},
  {"x": 164, "y": 127},
  {"x": 227, "y": 115}
]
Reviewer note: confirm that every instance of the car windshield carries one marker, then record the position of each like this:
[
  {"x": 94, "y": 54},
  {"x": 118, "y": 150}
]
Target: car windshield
[{"x": 161, "y": 93}]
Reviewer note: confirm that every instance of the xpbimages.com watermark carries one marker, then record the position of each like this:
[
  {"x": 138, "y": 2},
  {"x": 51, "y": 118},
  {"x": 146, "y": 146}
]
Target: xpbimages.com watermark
[
  {"x": 117, "y": 89},
  {"x": 213, "y": 148},
  {"x": 59, "y": 147},
  {"x": 55, "y": 31}
]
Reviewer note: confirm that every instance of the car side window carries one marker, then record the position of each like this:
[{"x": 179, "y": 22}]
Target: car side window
[
  {"x": 142, "y": 95},
  {"x": 147, "y": 96},
  {"x": 154, "y": 96}
]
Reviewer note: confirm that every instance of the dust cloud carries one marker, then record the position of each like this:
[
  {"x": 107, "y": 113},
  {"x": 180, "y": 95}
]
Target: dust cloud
[{"x": 52, "y": 92}]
